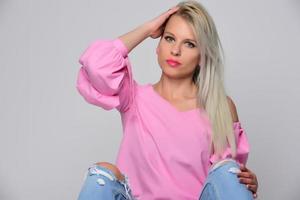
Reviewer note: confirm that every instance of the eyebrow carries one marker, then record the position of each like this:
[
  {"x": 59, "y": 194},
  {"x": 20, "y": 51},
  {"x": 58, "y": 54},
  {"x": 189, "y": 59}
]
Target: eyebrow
[{"x": 186, "y": 39}]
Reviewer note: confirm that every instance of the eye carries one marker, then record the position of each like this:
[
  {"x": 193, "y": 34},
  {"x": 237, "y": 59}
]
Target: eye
[
  {"x": 190, "y": 45},
  {"x": 168, "y": 38}
]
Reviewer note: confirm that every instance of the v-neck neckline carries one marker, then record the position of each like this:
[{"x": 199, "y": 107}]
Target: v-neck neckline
[{"x": 171, "y": 105}]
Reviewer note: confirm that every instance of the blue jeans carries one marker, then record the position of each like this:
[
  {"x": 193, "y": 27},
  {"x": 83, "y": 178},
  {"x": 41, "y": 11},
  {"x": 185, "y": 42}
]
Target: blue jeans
[
  {"x": 101, "y": 183},
  {"x": 222, "y": 183}
]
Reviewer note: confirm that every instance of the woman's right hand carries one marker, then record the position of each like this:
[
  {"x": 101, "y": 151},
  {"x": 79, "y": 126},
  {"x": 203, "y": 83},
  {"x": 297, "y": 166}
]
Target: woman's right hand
[
  {"x": 153, "y": 28},
  {"x": 157, "y": 24}
]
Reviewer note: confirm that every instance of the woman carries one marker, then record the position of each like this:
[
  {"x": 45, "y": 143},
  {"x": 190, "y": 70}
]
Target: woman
[{"x": 176, "y": 130}]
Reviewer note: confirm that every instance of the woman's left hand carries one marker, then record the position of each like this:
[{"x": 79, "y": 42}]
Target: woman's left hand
[{"x": 248, "y": 178}]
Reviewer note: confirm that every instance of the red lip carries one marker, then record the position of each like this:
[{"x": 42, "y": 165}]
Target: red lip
[{"x": 173, "y": 62}]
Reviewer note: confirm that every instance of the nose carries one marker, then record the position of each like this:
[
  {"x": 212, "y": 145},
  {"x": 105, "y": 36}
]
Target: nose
[{"x": 175, "y": 51}]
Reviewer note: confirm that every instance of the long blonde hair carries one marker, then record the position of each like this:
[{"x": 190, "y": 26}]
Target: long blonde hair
[{"x": 208, "y": 76}]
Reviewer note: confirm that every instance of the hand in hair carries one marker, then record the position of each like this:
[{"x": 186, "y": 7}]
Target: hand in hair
[
  {"x": 158, "y": 23},
  {"x": 153, "y": 28}
]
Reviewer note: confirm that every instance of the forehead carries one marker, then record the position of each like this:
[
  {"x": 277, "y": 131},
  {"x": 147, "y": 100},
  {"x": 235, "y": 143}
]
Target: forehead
[{"x": 180, "y": 27}]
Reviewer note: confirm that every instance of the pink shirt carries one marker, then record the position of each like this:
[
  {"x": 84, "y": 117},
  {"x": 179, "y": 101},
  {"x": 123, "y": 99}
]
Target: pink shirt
[{"x": 164, "y": 151}]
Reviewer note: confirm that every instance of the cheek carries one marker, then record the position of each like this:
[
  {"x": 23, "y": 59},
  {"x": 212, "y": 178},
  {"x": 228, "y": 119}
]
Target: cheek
[
  {"x": 160, "y": 48},
  {"x": 159, "y": 55},
  {"x": 160, "y": 51},
  {"x": 197, "y": 58},
  {"x": 194, "y": 59}
]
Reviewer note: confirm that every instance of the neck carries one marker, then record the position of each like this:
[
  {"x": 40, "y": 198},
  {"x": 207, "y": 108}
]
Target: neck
[{"x": 176, "y": 89}]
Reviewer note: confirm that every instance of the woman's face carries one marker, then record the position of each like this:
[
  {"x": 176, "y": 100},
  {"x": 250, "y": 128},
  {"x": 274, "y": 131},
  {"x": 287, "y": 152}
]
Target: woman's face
[{"x": 178, "y": 43}]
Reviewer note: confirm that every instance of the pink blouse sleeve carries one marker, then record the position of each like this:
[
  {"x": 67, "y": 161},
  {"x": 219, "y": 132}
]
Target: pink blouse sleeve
[
  {"x": 105, "y": 77},
  {"x": 242, "y": 146}
]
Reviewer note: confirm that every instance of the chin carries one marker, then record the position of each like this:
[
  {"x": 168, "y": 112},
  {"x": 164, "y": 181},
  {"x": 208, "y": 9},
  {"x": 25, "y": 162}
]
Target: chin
[{"x": 170, "y": 72}]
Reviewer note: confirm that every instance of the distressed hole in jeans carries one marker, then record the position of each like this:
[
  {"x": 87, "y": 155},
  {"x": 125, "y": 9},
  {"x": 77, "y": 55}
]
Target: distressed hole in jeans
[
  {"x": 100, "y": 181},
  {"x": 96, "y": 171},
  {"x": 234, "y": 170}
]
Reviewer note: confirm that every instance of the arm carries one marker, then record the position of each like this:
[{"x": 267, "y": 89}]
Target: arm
[
  {"x": 105, "y": 78},
  {"x": 246, "y": 176},
  {"x": 136, "y": 36},
  {"x": 242, "y": 144},
  {"x": 233, "y": 110},
  {"x": 240, "y": 135}
]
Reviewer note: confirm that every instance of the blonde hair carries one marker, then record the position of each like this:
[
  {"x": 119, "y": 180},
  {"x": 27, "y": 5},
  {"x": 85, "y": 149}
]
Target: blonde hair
[{"x": 208, "y": 76}]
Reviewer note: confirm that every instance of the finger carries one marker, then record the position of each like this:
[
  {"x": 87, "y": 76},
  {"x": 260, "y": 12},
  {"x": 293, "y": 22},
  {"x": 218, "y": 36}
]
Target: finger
[
  {"x": 165, "y": 15},
  {"x": 246, "y": 181},
  {"x": 252, "y": 188},
  {"x": 252, "y": 182},
  {"x": 174, "y": 8},
  {"x": 255, "y": 195},
  {"x": 245, "y": 175},
  {"x": 171, "y": 11},
  {"x": 243, "y": 167},
  {"x": 248, "y": 175},
  {"x": 168, "y": 12}
]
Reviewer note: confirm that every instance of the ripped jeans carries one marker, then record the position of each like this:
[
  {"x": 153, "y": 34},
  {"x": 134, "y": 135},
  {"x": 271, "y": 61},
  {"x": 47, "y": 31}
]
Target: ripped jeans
[
  {"x": 222, "y": 183},
  {"x": 101, "y": 183}
]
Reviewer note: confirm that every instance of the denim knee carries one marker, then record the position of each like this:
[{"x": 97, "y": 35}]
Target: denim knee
[
  {"x": 222, "y": 183},
  {"x": 101, "y": 183}
]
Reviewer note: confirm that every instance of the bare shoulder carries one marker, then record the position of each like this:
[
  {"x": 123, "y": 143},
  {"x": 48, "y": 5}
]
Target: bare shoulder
[{"x": 233, "y": 110}]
